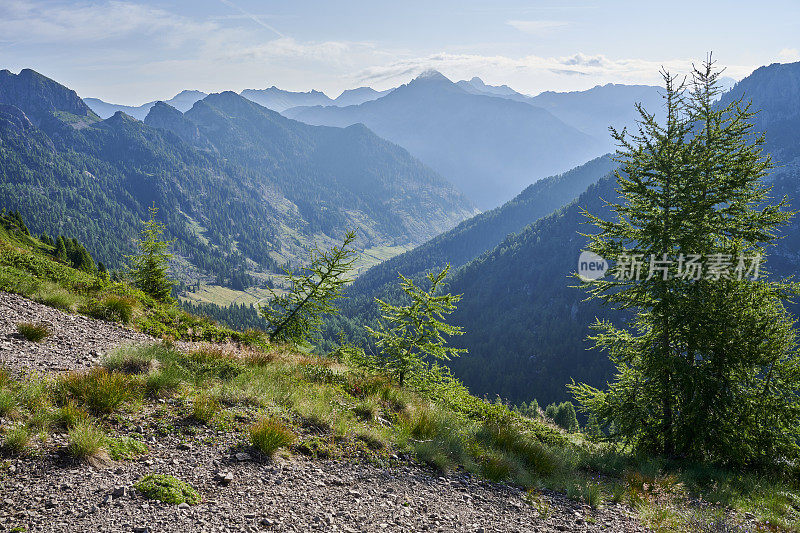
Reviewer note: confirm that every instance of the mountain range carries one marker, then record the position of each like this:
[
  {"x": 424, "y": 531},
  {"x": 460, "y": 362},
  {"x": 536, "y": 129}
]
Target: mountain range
[
  {"x": 241, "y": 188},
  {"x": 182, "y": 101},
  {"x": 271, "y": 98},
  {"x": 488, "y": 147}
]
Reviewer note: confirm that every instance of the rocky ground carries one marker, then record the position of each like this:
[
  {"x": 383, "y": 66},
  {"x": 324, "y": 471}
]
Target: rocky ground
[
  {"x": 75, "y": 342},
  {"x": 242, "y": 491}
]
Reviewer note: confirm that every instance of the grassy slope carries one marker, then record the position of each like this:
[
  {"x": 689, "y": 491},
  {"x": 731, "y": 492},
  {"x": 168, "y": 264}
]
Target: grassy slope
[{"x": 336, "y": 408}]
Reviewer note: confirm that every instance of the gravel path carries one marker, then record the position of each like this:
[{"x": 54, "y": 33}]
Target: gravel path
[
  {"x": 295, "y": 494},
  {"x": 51, "y": 492}
]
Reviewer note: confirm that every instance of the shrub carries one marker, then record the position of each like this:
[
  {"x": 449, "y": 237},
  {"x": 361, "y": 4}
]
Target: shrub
[
  {"x": 86, "y": 440},
  {"x": 16, "y": 440},
  {"x": 563, "y": 415},
  {"x": 33, "y": 332},
  {"x": 205, "y": 408},
  {"x": 167, "y": 489},
  {"x": 102, "y": 391},
  {"x": 112, "y": 307},
  {"x": 268, "y": 435}
]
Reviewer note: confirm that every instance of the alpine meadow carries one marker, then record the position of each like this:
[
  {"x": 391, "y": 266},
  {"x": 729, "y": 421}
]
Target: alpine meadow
[{"x": 507, "y": 267}]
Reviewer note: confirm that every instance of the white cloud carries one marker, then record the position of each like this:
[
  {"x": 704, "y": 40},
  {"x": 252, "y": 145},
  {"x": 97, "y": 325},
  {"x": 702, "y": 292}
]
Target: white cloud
[
  {"x": 534, "y": 73},
  {"x": 38, "y": 23},
  {"x": 789, "y": 55},
  {"x": 537, "y": 27}
]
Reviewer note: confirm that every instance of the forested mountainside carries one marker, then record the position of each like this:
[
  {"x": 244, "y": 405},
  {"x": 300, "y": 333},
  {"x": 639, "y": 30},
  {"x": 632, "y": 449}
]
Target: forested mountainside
[
  {"x": 539, "y": 343},
  {"x": 224, "y": 191},
  {"x": 526, "y": 326},
  {"x": 490, "y": 148},
  {"x": 462, "y": 244}
]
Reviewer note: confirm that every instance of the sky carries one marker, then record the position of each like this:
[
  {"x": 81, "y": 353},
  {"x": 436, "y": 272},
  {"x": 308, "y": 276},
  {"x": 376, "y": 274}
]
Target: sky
[{"x": 131, "y": 52}]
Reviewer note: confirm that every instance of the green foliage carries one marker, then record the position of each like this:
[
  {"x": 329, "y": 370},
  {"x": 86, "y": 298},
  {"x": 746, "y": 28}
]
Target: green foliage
[
  {"x": 530, "y": 409},
  {"x": 17, "y": 439},
  {"x": 708, "y": 368},
  {"x": 167, "y": 489},
  {"x": 125, "y": 448},
  {"x": 563, "y": 415},
  {"x": 8, "y": 403},
  {"x": 268, "y": 435},
  {"x": 148, "y": 268},
  {"x": 410, "y": 335},
  {"x": 70, "y": 414},
  {"x": 33, "y": 332},
  {"x": 205, "y": 408},
  {"x": 100, "y": 390},
  {"x": 296, "y": 314},
  {"x": 86, "y": 439},
  {"x": 132, "y": 359},
  {"x": 112, "y": 307}
]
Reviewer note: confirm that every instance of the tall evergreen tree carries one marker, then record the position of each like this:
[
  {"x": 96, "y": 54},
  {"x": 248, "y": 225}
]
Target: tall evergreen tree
[
  {"x": 709, "y": 349},
  {"x": 148, "y": 268},
  {"x": 61, "y": 249}
]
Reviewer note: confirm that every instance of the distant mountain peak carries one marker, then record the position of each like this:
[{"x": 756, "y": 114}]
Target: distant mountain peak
[
  {"x": 477, "y": 86},
  {"x": 39, "y": 96},
  {"x": 189, "y": 92},
  {"x": 431, "y": 75},
  {"x": 359, "y": 95}
]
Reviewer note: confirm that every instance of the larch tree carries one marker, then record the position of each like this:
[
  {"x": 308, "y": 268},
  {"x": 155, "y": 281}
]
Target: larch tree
[{"x": 710, "y": 346}]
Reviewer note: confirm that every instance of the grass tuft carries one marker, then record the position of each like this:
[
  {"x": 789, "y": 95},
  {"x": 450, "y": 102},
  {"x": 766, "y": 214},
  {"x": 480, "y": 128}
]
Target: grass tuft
[
  {"x": 52, "y": 295},
  {"x": 167, "y": 489},
  {"x": 111, "y": 307},
  {"x": 17, "y": 440},
  {"x": 165, "y": 381},
  {"x": 86, "y": 440},
  {"x": 132, "y": 360},
  {"x": 268, "y": 435},
  {"x": 102, "y": 391},
  {"x": 8, "y": 404},
  {"x": 70, "y": 414},
  {"x": 33, "y": 332},
  {"x": 205, "y": 408}
]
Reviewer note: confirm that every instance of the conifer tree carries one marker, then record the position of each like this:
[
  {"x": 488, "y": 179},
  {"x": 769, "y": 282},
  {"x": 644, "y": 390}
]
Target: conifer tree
[
  {"x": 148, "y": 269},
  {"x": 707, "y": 369},
  {"x": 61, "y": 249},
  {"x": 295, "y": 315},
  {"x": 412, "y": 335}
]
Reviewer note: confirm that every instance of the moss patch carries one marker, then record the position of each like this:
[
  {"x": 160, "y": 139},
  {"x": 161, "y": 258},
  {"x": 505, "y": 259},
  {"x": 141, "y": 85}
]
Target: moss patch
[{"x": 167, "y": 489}]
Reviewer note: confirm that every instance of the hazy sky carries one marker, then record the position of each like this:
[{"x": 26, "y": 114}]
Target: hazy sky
[{"x": 135, "y": 51}]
